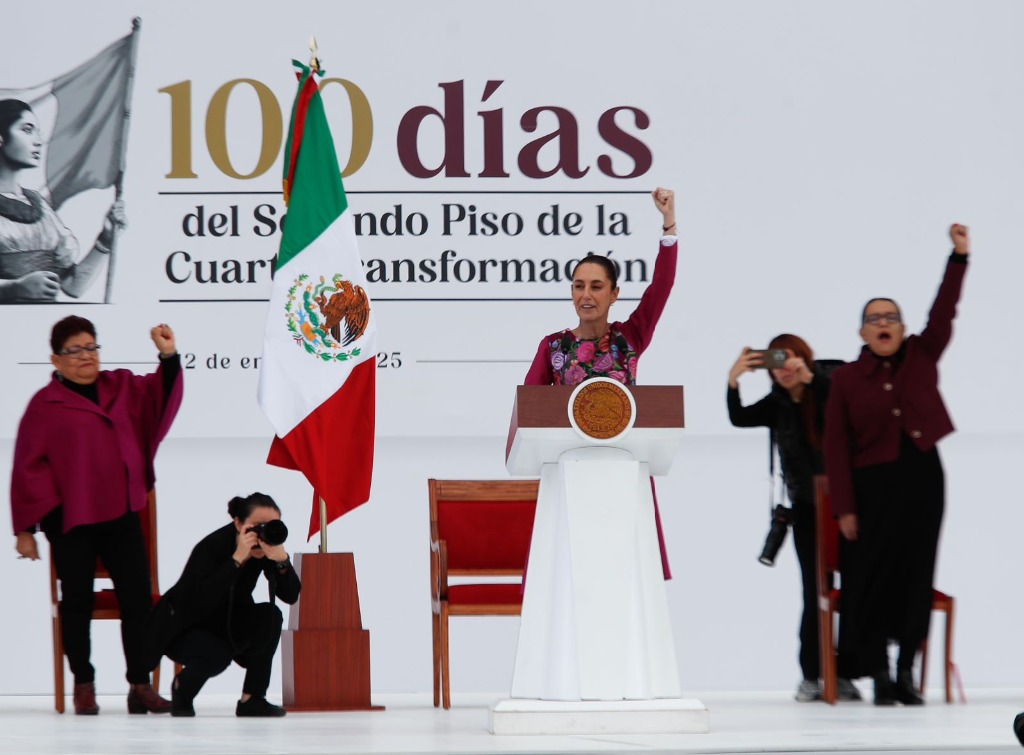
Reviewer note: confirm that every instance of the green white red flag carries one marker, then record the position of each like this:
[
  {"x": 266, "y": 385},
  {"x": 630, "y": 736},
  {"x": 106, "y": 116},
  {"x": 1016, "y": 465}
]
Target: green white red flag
[{"x": 318, "y": 377}]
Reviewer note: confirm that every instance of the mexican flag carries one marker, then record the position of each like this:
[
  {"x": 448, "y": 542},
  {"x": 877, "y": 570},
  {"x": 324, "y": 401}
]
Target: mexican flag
[{"x": 318, "y": 377}]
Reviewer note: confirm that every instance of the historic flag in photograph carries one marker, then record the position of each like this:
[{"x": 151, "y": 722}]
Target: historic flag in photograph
[
  {"x": 318, "y": 376},
  {"x": 86, "y": 113},
  {"x": 84, "y": 116}
]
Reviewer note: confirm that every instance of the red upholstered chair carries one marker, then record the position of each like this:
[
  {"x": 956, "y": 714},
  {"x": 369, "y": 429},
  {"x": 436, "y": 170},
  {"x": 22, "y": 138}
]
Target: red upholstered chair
[
  {"x": 106, "y": 601},
  {"x": 480, "y": 535},
  {"x": 828, "y": 600}
]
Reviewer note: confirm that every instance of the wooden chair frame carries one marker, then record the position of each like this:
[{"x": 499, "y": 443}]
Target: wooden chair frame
[
  {"x": 828, "y": 601},
  {"x": 148, "y": 517},
  {"x": 441, "y": 609}
]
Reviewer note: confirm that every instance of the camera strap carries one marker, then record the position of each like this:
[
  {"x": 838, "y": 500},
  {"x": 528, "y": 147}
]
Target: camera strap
[{"x": 776, "y": 482}]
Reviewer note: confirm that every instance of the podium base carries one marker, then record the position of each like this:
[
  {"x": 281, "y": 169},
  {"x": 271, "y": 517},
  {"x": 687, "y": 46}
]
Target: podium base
[
  {"x": 662, "y": 716},
  {"x": 326, "y": 669}
]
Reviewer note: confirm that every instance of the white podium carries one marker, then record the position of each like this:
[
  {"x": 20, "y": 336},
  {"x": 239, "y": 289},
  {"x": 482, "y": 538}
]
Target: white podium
[{"x": 596, "y": 652}]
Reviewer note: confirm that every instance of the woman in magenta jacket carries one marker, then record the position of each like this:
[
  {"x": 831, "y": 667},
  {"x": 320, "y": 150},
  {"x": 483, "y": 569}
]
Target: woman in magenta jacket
[
  {"x": 83, "y": 466},
  {"x": 597, "y": 347},
  {"x": 883, "y": 420}
]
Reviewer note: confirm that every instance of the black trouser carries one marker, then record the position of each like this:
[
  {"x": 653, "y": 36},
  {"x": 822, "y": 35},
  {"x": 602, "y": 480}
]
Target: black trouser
[
  {"x": 899, "y": 513},
  {"x": 805, "y": 538},
  {"x": 120, "y": 546},
  {"x": 206, "y": 651}
]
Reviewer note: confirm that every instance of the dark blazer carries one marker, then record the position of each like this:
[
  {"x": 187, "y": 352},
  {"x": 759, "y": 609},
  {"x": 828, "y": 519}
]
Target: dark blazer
[
  {"x": 874, "y": 401},
  {"x": 211, "y": 588}
]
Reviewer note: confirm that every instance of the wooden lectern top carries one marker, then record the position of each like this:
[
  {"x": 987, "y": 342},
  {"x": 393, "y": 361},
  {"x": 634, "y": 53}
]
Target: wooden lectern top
[{"x": 540, "y": 425}]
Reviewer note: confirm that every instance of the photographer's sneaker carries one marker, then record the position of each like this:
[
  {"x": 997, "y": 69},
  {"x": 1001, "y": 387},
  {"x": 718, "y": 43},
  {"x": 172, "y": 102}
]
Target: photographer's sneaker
[
  {"x": 808, "y": 691},
  {"x": 846, "y": 691},
  {"x": 258, "y": 707}
]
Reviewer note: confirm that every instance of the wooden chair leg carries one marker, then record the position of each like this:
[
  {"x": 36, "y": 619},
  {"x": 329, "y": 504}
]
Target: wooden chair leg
[
  {"x": 435, "y": 627},
  {"x": 446, "y": 698},
  {"x": 924, "y": 667},
  {"x": 156, "y": 676},
  {"x": 828, "y": 655},
  {"x": 58, "y": 663},
  {"x": 949, "y": 652}
]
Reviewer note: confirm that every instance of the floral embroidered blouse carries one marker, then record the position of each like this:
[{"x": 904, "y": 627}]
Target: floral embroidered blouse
[
  {"x": 574, "y": 360},
  {"x": 564, "y": 359}
]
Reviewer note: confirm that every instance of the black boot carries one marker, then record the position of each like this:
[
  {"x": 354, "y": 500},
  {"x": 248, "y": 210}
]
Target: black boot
[
  {"x": 905, "y": 691},
  {"x": 258, "y": 707},
  {"x": 885, "y": 690},
  {"x": 181, "y": 699}
]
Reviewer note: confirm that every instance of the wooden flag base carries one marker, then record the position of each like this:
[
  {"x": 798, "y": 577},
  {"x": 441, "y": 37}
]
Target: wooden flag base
[{"x": 325, "y": 652}]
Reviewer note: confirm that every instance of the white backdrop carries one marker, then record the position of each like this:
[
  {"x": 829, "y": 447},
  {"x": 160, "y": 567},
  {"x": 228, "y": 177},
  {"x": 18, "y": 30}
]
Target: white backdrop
[{"x": 819, "y": 152}]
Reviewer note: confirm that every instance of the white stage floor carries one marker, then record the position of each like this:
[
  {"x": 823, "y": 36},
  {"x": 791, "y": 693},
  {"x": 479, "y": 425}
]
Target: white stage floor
[{"x": 740, "y": 723}]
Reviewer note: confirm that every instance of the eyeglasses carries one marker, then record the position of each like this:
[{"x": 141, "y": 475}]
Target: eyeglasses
[
  {"x": 889, "y": 318},
  {"x": 80, "y": 352}
]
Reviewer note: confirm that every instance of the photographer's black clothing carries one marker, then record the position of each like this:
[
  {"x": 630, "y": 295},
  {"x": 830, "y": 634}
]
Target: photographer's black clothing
[
  {"x": 800, "y": 462},
  {"x": 209, "y": 617},
  {"x": 206, "y": 653}
]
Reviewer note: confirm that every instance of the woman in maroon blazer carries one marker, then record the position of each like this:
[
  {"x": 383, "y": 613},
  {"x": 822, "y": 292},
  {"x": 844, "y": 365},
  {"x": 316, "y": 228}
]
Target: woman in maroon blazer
[{"x": 883, "y": 419}]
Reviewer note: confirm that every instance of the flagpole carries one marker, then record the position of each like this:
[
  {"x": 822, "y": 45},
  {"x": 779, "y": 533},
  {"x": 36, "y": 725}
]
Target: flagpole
[
  {"x": 119, "y": 182},
  {"x": 314, "y": 66},
  {"x": 314, "y": 63},
  {"x": 323, "y": 525}
]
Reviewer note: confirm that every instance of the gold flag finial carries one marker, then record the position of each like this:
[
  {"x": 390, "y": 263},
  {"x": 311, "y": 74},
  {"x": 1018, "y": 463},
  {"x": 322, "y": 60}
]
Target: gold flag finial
[{"x": 314, "y": 63}]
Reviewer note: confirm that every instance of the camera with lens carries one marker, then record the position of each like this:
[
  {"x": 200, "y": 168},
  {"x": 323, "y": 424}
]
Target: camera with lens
[
  {"x": 273, "y": 532},
  {"x": 782, "y": 517}
]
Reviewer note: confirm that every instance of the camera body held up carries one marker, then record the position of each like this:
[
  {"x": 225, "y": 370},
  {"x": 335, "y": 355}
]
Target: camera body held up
[{"x": 272, "y": 532}]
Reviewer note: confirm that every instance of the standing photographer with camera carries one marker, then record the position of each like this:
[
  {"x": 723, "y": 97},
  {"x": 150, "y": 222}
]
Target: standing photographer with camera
[
  {"x": 209, "y": 617},
  {"x": 794, "y": 412}
]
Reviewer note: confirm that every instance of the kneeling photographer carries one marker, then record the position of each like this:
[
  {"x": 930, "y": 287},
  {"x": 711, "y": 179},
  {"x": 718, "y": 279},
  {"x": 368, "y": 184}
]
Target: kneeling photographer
[
  {"x": 794, "y": 412},
  {"x": 209, "y": 618}
]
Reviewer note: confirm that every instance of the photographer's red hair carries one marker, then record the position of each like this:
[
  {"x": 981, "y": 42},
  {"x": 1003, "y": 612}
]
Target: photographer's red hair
[{"x": 808, "y": 410}]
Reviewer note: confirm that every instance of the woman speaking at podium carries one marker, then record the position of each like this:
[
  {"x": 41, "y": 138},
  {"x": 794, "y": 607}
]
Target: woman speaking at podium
[
  {"x": 595, "y": 347},
  {"x": 596, "y": 526},
  {"x": 598, "y": 348}
]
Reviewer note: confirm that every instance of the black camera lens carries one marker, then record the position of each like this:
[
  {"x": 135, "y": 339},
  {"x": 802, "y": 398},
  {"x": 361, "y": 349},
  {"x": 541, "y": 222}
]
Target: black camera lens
[
  {"x": 273, "y": 532},
  {"x": 776, "y": 535}
]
